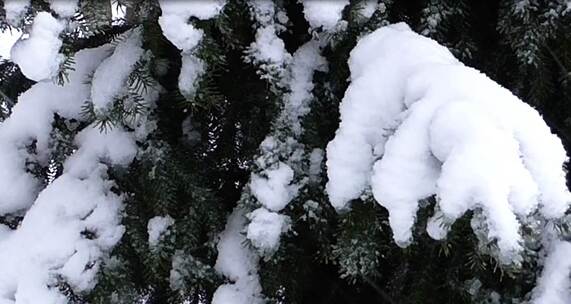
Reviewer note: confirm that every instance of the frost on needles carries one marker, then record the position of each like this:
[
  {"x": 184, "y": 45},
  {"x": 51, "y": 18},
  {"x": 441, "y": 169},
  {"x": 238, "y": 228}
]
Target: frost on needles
[{"x": 415, "y": 122}]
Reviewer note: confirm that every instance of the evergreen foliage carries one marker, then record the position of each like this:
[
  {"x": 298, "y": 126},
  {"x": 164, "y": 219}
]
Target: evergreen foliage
[{"x": 195, "y": 165}]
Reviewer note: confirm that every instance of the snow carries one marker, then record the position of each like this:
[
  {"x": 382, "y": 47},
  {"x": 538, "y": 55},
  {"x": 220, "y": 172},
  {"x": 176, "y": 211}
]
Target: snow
[
  {"x": 554, "y": 285},
  {"x": 50, "y": 240},
  {"x": 269, "y": 47},
  {"x": 8, "y": 38},
  {"x": 31, "y": 120},
  {"x": 64, "y": 8},
  {"x": 201, "y": 9},
  {"x": 74, "y": 222},
  {"x": 306, "y": 60},
  {"x": 192, "y": 68},
  {"x": 273, "y": 186},
  {"x": 268, "y": 50},
  {"x": 38, "y": 56},
  {"x": 237, "y": 263},
  {"x": 368, "y": 8},
  {"x": 175, "y": 27},
  {"x": 265, "y": 229},
  {"x": 111, "y": 75},
  {"x": 275, "y": 190},
  {"x": 15, "y": 10},
  {"x": 421, "y": 129},
  {"x": 323, "y": 13},
  {"x": 157, "y": 227}
]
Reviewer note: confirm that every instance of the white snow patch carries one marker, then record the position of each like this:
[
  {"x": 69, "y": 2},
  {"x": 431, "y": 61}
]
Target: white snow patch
[
  {"x": 8, "y": 38},
  {"x": 237, "y": 263},
  {"x": 554, "y": 285},
  {"x": 306, "y": 60},
  {"x": 192, "y": 68},
  {"x": 111, "y": 75},
  {"x": 64, "y": 8},
  {"x": 201, "y": 9},
  {"x": 368, "y": 8},
  {"x": 275, "y": 190},
  {"x": 157, "y": 227},
  {"x": 323, "y": 13},
  {"x": 31, "y": 120},
  {"x": 268, "y": 47},
  {"x": 38, "y": 56},
  {"x": 265, "y": 229},
  {"x": 15, "y": 10},
  {"x": 51, "y": 239},
  {"x": 268, "y": 50},
  {"x": 174, "y": 22}
]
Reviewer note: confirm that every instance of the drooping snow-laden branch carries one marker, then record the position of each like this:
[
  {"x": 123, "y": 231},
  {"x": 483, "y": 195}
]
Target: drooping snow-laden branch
[
  {"x": 415, "y": 122},
  {"x": 74, "y": 222}
]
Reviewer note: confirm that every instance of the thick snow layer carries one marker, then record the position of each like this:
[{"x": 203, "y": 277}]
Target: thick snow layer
[
  {"x": 175, "y": 25},
  {"x": 554, "y": 285},
  {"x": 15, "y": 10},
  {"x": 73, "y": 223},
  {"x": 31, "y": 120},
  {"x": 237, "y": 263},
  {"x": 274, "y": 190},
  {"x": 109, "y": 80},
  {"x": 323, "y": 13},
  {"x": 38, "y": 56},
  {"x": 8, "y": 39},
  {"x": 265, "y": 229},
  {"x": 64, "y": 8},
  {"x": 415, "y": 122},
  {"x": 157, "y": 227}
]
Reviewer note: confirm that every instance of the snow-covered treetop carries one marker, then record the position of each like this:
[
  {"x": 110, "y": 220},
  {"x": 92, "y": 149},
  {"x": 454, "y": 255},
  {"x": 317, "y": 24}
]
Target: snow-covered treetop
[{"x": 415, "y": 122}]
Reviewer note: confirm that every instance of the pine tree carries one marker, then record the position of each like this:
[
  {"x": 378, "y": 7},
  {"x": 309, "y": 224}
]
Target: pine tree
[{"x": 158, "y": 151}]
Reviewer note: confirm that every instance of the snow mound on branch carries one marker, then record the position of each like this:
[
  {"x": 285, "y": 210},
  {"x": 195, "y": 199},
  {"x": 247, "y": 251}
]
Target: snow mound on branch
[
  {"x": 275, "y": 190},
  {"x": 157, "y": 227},
  {"x": 64, "y": 8},
  {"x": 110, "y": 77},
  {"x": 415, "y": 122},
  {"x": 323, "y": 13},
  {"x": 175, "y": 25},
  {"x": 31, "y": 121},
  {"x": 554, "y": 285},
  {"x": 73, "y": 223},
  {"x": 15, "y": 10},
  {"x": 38, "y": 56},
  {"x": 265, "y": 229},
  {"x": 237, "y": 263}
]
